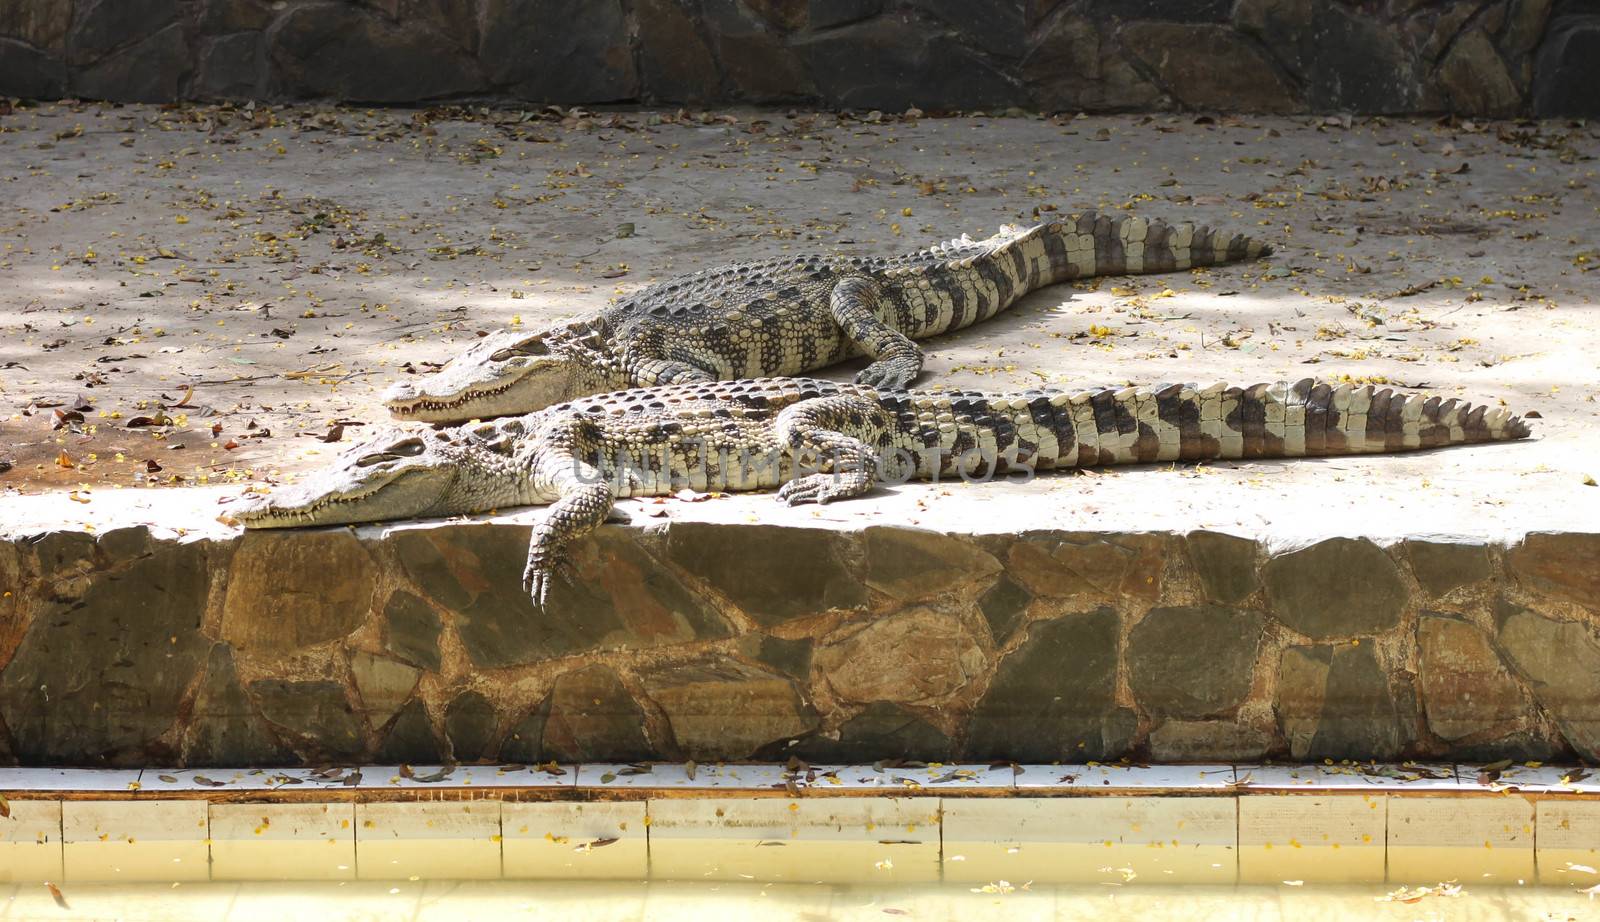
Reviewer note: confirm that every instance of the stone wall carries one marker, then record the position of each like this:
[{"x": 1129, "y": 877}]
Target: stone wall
[
  {"x": 732, "y": 642},
  {"x": 1477, "y": 57}
]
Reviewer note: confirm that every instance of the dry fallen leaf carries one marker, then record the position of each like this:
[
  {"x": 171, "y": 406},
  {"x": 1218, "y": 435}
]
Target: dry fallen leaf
[{"x": 138, "y": 422}]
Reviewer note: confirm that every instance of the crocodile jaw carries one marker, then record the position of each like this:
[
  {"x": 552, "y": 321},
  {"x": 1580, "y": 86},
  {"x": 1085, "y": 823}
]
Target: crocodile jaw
[
  {"x": 506, "y": 374},
  {"x": 493, "y": 396},
  {"x": 339, "y": 500}
]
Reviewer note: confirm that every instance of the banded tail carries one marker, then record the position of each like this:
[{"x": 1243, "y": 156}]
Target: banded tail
[
  {"x": 1099, "y": 244},
  {"x": 1184, "y": 422}
]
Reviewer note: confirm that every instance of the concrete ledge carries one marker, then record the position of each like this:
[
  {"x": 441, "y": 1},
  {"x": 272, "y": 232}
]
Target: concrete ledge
[
  {"x": 733, "y": 629},
  {"x": 1049, "y": 824}
]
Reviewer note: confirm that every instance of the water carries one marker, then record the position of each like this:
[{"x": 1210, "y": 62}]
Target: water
[{"x": 694, "y": 901}]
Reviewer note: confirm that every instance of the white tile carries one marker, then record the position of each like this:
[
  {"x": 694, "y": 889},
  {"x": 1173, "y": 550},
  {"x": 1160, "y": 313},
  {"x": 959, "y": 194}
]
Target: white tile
[
  {"x": 30, "y": 842},
  {"x": 1379, "y": 778},
  {"x": 1102, "y": 777},
  {"x": 283, "y": 841},
  {"x": 434, "y": 840},
  {"x": 125, "y": 840},
  {"x": 17, "y": 781},
  {"x": 436, "y": 777},
  {"x": 366, "y": 777},
  {"x": 932, "y": 779},
  {"x": 663, "y": 776},
  {"x": 845, "y": 839},
  {"x": 1338, "y": 838},
  {"x": 1474, "y": 840},
  {"x": 1114, "y": 840},
  {"x": 575, "y": 840},
  {"x": 158, "y": 781},
  {"x": 924, "y": 779},
  {"x": 1533, "y": 778},
  {"x": 1567, "y": 842}
]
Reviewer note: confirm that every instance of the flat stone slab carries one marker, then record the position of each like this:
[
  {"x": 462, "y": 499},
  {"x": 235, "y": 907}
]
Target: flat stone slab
[{"x": 289, "y": 263}]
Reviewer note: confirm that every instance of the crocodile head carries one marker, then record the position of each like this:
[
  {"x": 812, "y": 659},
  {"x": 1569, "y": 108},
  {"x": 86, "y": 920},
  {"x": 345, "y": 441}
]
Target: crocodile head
[
  {"x": 404, "y": 475},
  {"x": 504, "y": 374}
]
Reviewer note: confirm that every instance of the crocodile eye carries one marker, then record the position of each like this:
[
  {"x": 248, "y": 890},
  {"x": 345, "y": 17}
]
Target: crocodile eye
[
  {"x": 408, "y": 448},
  {"x": 533, "y": 347}
]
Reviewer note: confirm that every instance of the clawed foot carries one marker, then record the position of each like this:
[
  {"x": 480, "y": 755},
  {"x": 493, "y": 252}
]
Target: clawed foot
[
  {"x": 815, "y": 488},
  {"x": 538, "y": 577},
  {"x": 888, "y": 376}
]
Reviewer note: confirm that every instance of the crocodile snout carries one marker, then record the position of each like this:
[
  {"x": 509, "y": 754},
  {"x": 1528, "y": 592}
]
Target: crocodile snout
[{"x": 400, "y": 391}]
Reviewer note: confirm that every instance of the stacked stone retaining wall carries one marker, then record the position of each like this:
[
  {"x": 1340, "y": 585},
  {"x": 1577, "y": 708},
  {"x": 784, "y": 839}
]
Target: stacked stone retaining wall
[
  {"x": 1470, "y": 57},
  {"x": 710, "y": 642}
]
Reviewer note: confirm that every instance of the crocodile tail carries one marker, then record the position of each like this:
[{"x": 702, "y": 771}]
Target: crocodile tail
[
  {"x": 1100, "y": 244},
  {"x": 1306, "y": 418}
]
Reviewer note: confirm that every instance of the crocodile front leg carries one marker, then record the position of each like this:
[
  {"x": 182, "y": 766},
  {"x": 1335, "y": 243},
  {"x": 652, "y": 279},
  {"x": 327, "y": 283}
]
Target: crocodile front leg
[
  {"x": 856, "y": 304},
  {"x": 848, "y": 436},
  {"x": 583, "y": 499}
]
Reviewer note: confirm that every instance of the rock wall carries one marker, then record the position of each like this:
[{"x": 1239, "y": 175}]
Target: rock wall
[
  {"x": 744, "y": 641},
  {"x": 1471, "y": 57}
]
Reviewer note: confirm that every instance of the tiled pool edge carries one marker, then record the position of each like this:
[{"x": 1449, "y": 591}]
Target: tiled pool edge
[{"x": 1404, "y": 824}]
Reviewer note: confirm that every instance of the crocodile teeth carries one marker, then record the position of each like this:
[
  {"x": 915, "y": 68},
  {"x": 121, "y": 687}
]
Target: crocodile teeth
[{"x": 451, "y": 404}]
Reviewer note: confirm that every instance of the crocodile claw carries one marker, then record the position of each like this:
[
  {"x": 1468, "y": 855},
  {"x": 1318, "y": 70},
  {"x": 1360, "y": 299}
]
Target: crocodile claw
[
  {"x": 888, "y": 376},
  {"x": 815, "y": 488},
  {"x": 537, "y": 578}
]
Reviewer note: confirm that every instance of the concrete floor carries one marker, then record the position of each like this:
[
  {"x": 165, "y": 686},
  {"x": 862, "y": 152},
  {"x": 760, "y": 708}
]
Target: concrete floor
[{"x": 288, "y": 264}]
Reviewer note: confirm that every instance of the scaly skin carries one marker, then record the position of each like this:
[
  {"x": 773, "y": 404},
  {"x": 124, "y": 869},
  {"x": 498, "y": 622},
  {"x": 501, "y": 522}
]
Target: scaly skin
[
  {"x": 581, "y": 456},
  {"x": 795, "y": 314}
]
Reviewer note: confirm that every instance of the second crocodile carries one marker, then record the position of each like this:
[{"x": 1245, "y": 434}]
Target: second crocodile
[{"x": 789, "y": 315}]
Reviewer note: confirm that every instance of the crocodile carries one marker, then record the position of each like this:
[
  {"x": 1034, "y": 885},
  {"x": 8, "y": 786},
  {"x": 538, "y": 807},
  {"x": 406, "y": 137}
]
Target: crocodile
[
  {"x": 789, "y": 315},
  {"x": 817, "y": 441}
]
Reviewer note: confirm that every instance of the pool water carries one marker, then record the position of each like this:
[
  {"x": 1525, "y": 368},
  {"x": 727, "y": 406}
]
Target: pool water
[{"x": 1013, "y": 901}]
